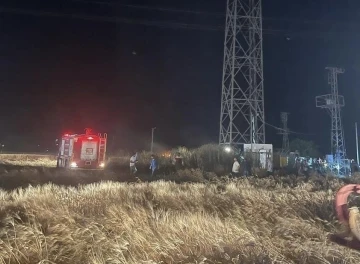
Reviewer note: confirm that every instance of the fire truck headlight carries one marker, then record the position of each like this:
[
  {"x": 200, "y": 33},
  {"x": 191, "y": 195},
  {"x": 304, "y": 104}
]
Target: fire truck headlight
[
  {"x": 102, "y": 165},
  {"x": 73, "y": 165}
]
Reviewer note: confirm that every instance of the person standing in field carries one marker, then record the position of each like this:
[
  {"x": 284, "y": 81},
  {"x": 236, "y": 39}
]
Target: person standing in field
[
  {"x": 236, "y": 168},
  {"x": 153, "y": 166},
  {"x": 178, "y": 161},
  {"x": 133, "y": 161},
  {"x": 269, "y": 166}
]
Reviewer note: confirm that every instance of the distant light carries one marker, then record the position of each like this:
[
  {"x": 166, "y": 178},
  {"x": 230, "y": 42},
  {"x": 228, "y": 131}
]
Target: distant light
[
  {"x": 102, "y": 165},
  {"x": 90, "y": 138},
  {"x": 227, "y": 149},
  {"x": 73, "y": 165}
]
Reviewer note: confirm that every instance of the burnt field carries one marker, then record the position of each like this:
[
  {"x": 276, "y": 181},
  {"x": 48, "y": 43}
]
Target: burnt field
[
  {"x": 15, "y": 176},
  {"x": 203, "y": 165}
]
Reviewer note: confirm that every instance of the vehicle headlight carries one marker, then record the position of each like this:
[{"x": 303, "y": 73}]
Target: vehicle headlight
[
  {"x": 102, "y": 165},
  {"x": 73, "y": 165}
]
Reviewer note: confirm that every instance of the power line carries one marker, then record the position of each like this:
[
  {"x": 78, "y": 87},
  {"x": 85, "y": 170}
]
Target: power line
[
  {"x": 288, "y": 131},
  {"x": 116, "y": 19},
  {"x": 162, "y": 9},
  {"x": 218, "y": 14},
  {"x": 108, "y": 19},
  {"x": 160, "y": 24}
]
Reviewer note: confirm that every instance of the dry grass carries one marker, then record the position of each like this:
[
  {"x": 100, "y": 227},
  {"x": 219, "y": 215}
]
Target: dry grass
[
  {"x": 53, "y": 219},
  {"x": 242, "y": 221},
  {"x": 35, "y": 160}
]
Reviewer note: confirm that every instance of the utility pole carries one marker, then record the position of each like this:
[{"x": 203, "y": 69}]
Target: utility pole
[
  {"x": 152, "y": 138},
  {"x": 242, "y": 116},
  {"x": 333, "y": 103},
  {"x": 285, "y": 133},
  {"x": 357, "y": 144}
]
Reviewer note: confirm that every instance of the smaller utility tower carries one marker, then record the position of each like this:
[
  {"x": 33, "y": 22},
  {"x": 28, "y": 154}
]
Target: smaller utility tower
[
  {"x": 333, "y": 103},
  {"x": 285, "y": 133}
]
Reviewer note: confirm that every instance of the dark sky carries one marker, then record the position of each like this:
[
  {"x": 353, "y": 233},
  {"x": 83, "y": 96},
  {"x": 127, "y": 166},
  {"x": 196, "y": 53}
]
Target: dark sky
[{"x": 64, "y": 74}]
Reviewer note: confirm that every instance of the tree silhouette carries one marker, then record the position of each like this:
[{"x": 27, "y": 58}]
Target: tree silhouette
[{"x": 305, "y": 148}]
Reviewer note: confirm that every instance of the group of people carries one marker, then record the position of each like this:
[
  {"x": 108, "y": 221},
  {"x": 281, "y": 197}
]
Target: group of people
[
  {"x": 239, "y": 167},
  {"x": 177, "y": 161},
  {"x": 303, "y": 166},
  {"x": 153, "y": 164},
  {"x": 244, "y": 167}
]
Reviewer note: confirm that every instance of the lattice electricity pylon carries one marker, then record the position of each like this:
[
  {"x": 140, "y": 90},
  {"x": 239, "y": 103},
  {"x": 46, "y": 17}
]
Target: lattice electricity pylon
[
  {"x": 333, "y": 103},
  {"x": 285, "y": 133},
  {"x": 242, "y": 117}
]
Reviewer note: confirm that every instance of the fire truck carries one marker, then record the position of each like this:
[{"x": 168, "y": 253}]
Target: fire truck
[{"x": 83, "y": 151}]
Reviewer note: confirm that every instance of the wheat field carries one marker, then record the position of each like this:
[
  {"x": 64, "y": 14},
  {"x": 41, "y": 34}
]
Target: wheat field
[
  {"x": 35, "y": 160},
  {"x": 189, "y": 216},
  {"x": 230, "y": 221}
]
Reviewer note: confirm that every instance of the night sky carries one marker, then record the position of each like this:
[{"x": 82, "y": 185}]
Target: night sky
[{"x": 159, "y": 66}]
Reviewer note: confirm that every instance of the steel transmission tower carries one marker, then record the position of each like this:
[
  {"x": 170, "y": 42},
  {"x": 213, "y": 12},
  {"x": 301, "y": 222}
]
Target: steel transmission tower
[
  {"x": 285, "y": 133},
  {"x": 242, "y": 117},
  {"x": 333, "y": 103}
]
